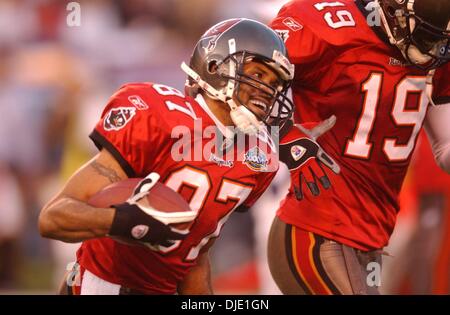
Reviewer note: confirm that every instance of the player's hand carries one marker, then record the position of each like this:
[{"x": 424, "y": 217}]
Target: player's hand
[
  {"x": 306, "y": 159},
  {"x": 133, "y": 221}
]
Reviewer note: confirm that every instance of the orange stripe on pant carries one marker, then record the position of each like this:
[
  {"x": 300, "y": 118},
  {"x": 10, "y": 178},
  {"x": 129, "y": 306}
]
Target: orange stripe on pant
[{"x": 303, "y": 243}]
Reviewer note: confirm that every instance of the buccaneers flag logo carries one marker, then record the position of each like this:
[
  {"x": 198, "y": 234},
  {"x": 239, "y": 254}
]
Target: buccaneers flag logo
[{"x": 117, "y": 118}]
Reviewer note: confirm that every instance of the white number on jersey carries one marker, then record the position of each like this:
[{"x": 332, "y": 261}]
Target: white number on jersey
[
  {"x": 342, "y": 18},
  {"x": 200, "y": 181},
  {"x": 359, "y": 146},
  {"x": 184, "y": 107}
]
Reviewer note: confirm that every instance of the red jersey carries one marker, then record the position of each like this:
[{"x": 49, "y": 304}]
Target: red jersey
[
  {"x": 345, "y": 68},
  {"x": 142, "y": 127}
]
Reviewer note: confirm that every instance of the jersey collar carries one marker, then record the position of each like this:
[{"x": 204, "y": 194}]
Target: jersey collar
[{"x": 226, "y": 131}]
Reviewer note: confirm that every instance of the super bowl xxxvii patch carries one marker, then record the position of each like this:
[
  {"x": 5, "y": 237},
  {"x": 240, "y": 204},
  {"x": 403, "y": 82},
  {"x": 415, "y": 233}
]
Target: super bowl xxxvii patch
[
  {"x": 117, "y": 118},
  {"x": 256, "y": 159}
]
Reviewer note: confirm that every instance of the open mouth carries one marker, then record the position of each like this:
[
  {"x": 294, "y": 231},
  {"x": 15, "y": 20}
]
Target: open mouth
[{"x": 259, "y": 104}]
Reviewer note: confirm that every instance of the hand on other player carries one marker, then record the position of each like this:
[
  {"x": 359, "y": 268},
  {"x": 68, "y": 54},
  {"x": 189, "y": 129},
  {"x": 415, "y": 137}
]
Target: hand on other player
[{"x": 306, "y": 159}]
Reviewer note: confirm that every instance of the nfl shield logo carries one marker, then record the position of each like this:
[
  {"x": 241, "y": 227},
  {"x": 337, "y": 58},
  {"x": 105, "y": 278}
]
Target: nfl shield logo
[{"x": 297, "y": 152}]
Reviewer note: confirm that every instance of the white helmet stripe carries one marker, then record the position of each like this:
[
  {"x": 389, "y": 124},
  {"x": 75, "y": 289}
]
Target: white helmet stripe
[{"x": 232, "y": 71}]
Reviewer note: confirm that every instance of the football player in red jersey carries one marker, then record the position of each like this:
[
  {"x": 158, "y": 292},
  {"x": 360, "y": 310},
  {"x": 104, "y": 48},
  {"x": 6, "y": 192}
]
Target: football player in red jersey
[
  {"x": 238, "y": 77},
  {"x": 381, "y": 68}
]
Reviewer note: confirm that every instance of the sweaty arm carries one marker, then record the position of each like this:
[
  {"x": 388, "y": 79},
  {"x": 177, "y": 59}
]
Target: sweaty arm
[
  {"x": 129, "y": 139},
  {"x": 437, "y": 128},
  {"x": 198, "y": 280},
  {"x": 68, "y": 217}
]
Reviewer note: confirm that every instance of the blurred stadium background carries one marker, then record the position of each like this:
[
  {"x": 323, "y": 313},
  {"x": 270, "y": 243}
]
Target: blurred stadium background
[{"x": 54, "y": 82}]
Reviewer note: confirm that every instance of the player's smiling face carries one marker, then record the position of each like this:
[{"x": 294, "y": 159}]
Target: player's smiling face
[{"x": 256, "y": 96}]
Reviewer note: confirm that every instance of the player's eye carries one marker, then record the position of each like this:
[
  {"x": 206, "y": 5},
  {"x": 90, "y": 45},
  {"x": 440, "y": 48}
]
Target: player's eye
[{"x": 257, "y": 75}]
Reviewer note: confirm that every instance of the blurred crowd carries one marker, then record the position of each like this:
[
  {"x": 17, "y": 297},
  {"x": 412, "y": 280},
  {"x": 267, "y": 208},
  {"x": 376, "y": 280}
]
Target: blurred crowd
[{"x": 55, "y": 80}]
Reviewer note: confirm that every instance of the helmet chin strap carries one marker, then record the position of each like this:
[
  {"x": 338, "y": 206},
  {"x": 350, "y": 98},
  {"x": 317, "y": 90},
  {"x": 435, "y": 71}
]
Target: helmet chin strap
[{"x": 243, "y": 118}]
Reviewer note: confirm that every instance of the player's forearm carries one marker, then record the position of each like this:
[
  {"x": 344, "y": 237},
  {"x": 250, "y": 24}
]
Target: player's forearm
[
  {"x": 198, "y": 280},
  {"x": 71, "y": 220},
  {"x": 438, "y": 132}
]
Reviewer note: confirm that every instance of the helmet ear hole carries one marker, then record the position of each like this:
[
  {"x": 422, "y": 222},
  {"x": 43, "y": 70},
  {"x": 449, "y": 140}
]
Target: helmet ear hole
[{"x": 212, "y": 67}]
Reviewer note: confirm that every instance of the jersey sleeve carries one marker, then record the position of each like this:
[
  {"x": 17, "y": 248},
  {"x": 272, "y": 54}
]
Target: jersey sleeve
[
  {"x": 305, "y": 48},
  {"x": 129, "y": 131},
  {"x": 441, "y": 85}
]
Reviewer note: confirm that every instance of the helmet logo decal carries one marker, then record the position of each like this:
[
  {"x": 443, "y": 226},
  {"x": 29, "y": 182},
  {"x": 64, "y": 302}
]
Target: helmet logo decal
[
  {"x": 221, "y": 27},
  {"x": 211, "y": 44},
  {"x": 215, "y": 32},
  {"x": 284, "y": 34},
  {"x": 117, "y": 118}
]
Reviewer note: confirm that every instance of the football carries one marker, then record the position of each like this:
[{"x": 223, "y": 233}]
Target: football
[{"x": 160, "y": 197}]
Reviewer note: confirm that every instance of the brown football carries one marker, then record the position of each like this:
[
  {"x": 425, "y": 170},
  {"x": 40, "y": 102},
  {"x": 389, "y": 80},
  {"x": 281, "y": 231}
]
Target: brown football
[{"x": 160, "y": 197}]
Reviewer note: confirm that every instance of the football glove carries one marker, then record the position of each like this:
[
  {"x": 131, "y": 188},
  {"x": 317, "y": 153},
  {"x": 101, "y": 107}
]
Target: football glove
[
  {"x": 306, "y": 159},
  {"x": 134, "y": 221}
]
